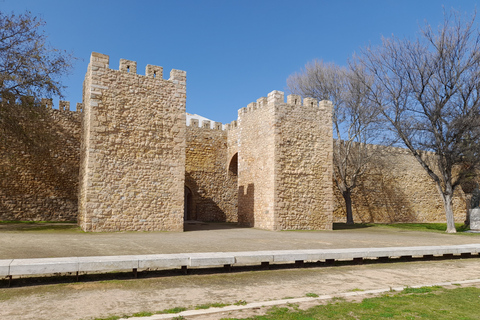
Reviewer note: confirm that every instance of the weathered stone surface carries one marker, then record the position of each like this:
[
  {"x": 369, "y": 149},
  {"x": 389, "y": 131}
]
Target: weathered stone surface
[
  {"x": 20, "y": 267},
  {"x": 5, "y": 267},
  {"x": 475, "y": 219},
  {"x": 43, "y": 266},
  {"x": 284, "y": 163},
  {"x": 253, "y": 257},
  {"x": 210, "y": 259},
  {"x": 212, "y": 188},
  {"x": 396, "y": 188},
  {"x": 132, "y": 167},
  {"x": 143, "y": 168},
  {"x": 154, "y": 261},
  {"x": 39, "y": 162},
  {"x": 107, "y": 263}
]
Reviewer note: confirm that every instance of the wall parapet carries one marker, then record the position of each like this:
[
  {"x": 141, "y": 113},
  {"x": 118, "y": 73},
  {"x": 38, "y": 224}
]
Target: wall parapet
[
  {"x": 205, "y": 124},
  {"x": 98, "y": 60},
  {"x": 278, "y": 97},
  {"x": 62, "y": 105}
]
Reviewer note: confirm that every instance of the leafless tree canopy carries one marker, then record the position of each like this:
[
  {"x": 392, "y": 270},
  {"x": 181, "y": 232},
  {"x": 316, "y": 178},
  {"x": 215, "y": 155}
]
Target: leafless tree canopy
[
  {"x": 28, "y": 65},
  {"x": 354, "y": 120},
  {"x": 428, "y": 90}
]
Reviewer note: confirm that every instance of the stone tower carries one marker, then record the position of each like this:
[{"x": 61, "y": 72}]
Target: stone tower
[
  {"x": 132, "y": 167},
  {"x": 284, "y": 163}
]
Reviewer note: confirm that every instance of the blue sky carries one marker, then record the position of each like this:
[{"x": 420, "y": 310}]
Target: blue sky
[{"x": 233, "y": 51}]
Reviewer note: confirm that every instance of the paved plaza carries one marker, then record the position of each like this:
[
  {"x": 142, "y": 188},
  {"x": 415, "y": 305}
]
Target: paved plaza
[
  {"x": 106, "y": 298},
  {"x": 39, "y": 241}
]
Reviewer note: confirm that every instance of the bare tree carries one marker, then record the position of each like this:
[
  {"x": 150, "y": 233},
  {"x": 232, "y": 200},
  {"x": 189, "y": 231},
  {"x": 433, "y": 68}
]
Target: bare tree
[
  {"x": 354, "y": 120},
  {"x": 428, "y": 91},
  {"x": 28, "y": 65}
]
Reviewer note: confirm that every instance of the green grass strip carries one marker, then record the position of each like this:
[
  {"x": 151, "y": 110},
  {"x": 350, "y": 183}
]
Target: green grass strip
[{"x": 412, "y": 303}]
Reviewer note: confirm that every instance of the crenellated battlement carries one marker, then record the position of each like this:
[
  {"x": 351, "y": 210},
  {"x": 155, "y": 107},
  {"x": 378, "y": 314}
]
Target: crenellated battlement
[
  {"x": 203, "y": 124},
  {"x": 232, "y": 125},
  {"x": 138, "y": 161},
  {"x": 62, "y": 105},
  {"x": 278, "y": 97},
  {"x": 98, "y": 61}
]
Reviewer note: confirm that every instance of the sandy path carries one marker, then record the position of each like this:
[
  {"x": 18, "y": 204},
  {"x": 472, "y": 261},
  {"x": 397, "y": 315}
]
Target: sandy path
[{"x": 106, "y": 298}]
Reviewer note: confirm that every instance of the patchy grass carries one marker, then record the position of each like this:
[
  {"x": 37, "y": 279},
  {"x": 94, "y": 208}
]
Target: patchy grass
[
  {"x": 146, "y": 314},
  {"x": 435, "y": 227},
  {"x": 428, "y": 227},
  {"x": 311, "y": 295},
  {"x": 412, "y": 303},
  {"x": 408, "y": 290},
  {"x": 211, "y": 305},
  {"x": 172, "y": 310}
]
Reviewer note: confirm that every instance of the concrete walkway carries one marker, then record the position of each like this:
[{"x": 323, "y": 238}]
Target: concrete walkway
[{"x": 39, "y": 241}]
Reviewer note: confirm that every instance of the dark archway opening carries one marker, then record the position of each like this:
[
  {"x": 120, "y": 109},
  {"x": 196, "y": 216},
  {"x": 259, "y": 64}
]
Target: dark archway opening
[
  {"x": 188, "y": 205},
  {"x": 233, "y": 166}
]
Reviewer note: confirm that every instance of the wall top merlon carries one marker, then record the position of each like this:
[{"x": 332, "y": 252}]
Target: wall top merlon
[
  {"x": 178, "y": 75},
  {"x": 128, "y": 66},
  {"x": 276, "y": 97},
  {"x": 326, "y": 104},
  {"x": 99, "y": 60}
]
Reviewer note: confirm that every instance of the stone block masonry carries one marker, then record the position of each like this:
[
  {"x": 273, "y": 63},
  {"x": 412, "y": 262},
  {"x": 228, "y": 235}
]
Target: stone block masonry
[
  {"x": 285, "y": 163},
  {"x": 211, "y": 190},
  {"x": 303, "y": 164},
  {"x": 396, "y": 189},
  {"x": 39, "y": 161},
  {"x": 127, "y": 160},
  {"x": 132, "y": 167}
]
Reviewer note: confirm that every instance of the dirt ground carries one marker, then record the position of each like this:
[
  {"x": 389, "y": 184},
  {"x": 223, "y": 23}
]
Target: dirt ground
[{"x": 89, "y": 300}]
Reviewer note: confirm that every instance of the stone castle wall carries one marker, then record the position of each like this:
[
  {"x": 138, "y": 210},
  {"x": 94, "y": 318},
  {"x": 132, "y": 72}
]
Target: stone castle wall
[
  {"x": 397, "y": 189},
  {"x": 142, "y": 168},
  {"x": 284, "y": 163},
  {"x": 39, "y": 161},
  {"x": 133, "y": 148},
  {"x": 304, "y": 192},
  {"x": 256, "y": 164},
  {"x": 214, "y": 190}
]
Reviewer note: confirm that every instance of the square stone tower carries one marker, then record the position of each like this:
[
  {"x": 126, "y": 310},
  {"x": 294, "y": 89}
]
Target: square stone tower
[
  {"x": 285, "y": 163},
  {"x": 132, "y": 167}
]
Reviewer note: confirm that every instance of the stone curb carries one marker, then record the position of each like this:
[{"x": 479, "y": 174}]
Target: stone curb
[{"x": 20, "y": 267}]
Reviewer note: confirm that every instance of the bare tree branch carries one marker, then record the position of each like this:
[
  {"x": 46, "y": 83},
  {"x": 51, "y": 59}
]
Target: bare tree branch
[
  {"x": 354, "y": 120},
  {"x": 428, "y": 91},
  {"x": 28, "y": 65}
]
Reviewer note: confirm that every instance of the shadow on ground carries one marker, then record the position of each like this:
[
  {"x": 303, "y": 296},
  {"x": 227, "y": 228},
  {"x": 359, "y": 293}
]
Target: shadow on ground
[
  {"x": 199, "y": 226},
  {"x": 344, "y": 226}
]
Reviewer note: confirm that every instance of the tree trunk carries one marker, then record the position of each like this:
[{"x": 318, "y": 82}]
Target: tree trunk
[
  {"x": 447, "y": 201},
  {"x": 468, "y": 201},
  {"x": 347, "y": 196}
]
